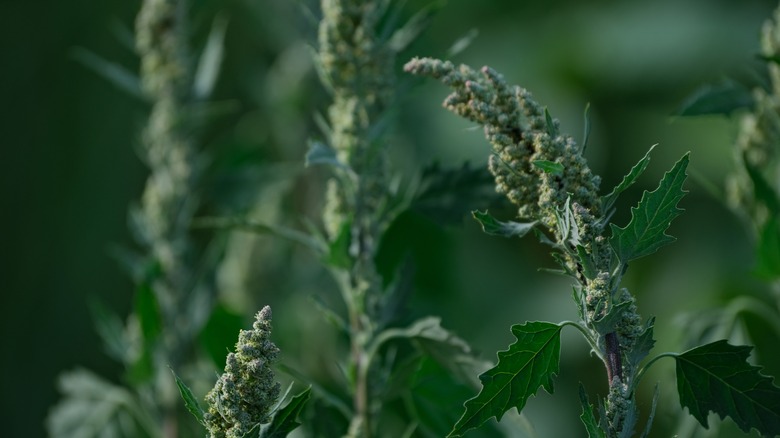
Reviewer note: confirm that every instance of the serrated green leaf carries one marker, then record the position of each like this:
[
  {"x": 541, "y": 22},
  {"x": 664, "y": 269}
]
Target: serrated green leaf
[
  {"x": 550, "y": 167},
  {"x": 588, "y": 267},
  {"x": 529, "y": 363},
  {"x": 651, "y": 218},
  {"x": 717, "y": 377},
  {"x": 495, "y": 227},
  {"x": 286, "y": 419},
  {"x": 768, "y": 251},
  {"x": 190, "y": 402},
  {"x": 608, "y": 201},
  {"x": 723, "y": 98},
  {"x": 588, "y": 418}
]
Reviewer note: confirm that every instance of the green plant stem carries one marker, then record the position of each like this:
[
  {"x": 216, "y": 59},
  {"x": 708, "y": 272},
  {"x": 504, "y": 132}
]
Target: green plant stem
[{"x": 640, "y": 374}]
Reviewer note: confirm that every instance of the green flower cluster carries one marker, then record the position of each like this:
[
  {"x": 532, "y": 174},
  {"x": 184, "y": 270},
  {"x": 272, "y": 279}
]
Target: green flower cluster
[
  {"x": 523, "y": 137},
  {"x": 245, "y": 394}
]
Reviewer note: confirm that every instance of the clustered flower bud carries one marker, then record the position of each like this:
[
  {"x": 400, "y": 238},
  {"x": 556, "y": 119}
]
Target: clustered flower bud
[
  {"x": 517, "y": 128},
  {"x": 245, "y": 394}
]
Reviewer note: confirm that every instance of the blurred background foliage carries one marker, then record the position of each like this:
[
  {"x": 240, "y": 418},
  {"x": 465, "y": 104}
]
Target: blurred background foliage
[{"x": 69, "y": 172}]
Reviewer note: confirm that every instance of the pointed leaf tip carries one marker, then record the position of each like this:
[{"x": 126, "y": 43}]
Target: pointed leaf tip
[
  {"x": 646, "y": 232},
  {"x": 717, "y": 377},
  {"x": 528, "y": 364}
]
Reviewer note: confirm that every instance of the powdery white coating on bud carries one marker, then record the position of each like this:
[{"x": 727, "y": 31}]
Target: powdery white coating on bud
[{"x": 244, "y": 395}]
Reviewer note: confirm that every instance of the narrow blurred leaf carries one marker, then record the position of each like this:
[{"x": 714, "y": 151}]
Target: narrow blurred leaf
[
  {"x": 190, "y": 402},
  {"x": 110, "y": 71},
  {"x": 210, "y": 60},
  {"x": 723, "y": 98},
  {"x": 588, "y": 418},
  {"x": 651, "y": 218},
  {"x": 608, "y": 201},
  {"x": 420, "y": 21},
  {"x": 219, "y": 334},
  {"x": 717, "y": 377},
  {"x": 651, "y": 417},
  {"x": 495, "y": 227},
  {"x": 768, "y": 250},
  {"x": 529, "y": 363},
  {"x": 261, "y": 228},
  {"x": 550, "y": 167},
  {"x": 286, "y": 419},
  {"x": 337, "y": 254},
  {"x": 462, "y": 43},
  {"x": 586, "y": 128}
]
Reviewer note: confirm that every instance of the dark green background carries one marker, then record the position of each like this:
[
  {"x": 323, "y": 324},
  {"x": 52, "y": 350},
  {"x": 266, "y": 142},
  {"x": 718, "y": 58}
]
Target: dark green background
[{"x": 68, "y": 170}]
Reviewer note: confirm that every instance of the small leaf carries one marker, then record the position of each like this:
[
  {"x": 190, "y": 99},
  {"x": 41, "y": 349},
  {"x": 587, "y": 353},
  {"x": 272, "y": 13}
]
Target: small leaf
[
  {"x": 552, "y": 131},
  {"x": 651, "y": 218},
  {"x": 588, "y": 418},
  {"x": 723, "y": 98},
  {"x": 550, "y": 167},
  {"x": 529, "y": 363},
  {"x": 119, "y": 76},
  {"x": 717, "y": 377},
  {"x": 642, "y": 346},
  {"x": 588, "y": 267},
  {"x": 651, "y": 417},
  {"x": 321, "y": 153},
  {"x": 585, "y": 129},
  {"x": 495, "y": 227},
  {"x": 462, "y": 43},
  {"x": 190, "y": 402},
  {"x": 608, "y": 322},
  {"x": 148, "y": 312},
  {"x": 768, "y": 251},
  {"x": 286, "y": 419},
  {"x": 338, "y": 249},
  {"x": 763, "y": 191},
  {"x": 404, "y": 36},
  {"x": 609, "y": 200}
]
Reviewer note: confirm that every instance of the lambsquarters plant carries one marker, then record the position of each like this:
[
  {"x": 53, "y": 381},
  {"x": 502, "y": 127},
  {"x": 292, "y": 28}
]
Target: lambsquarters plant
[{"x": 543, "y": 172}]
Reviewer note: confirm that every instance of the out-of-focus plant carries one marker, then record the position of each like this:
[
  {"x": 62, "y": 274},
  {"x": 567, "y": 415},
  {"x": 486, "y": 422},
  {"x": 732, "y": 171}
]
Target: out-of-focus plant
[{"x": 544, "y": 173}]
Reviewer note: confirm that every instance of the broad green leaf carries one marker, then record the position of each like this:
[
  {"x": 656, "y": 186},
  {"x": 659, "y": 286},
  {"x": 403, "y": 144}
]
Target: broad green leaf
[
  {"x": 190, "y": 402},
  {"x": 495, "y": 227},
  {"x": 446, "y": 194},
  {"x": 550, "y": 167},
  {"x": 717, "y": 377},
  {"x": 723, "y": 98},
  {"x": 588, "y": 418},
  {"x": 286, "y": 419},
  {"x": 529, "y": 363},
  {"x": 608, "y": 201},
  {"x": 768, "y": 250},
  {"x": 651, "y": 218}
]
